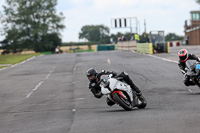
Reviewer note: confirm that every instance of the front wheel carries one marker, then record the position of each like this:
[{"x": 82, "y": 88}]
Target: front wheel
[
  {"x": 124, "y": 103},
  {"x": 143, "y": 104}
]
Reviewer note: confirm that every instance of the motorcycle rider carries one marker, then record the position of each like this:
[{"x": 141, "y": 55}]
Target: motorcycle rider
[
  {"x": 94, "y": 84},
  {"x": 183, "y": 57}
]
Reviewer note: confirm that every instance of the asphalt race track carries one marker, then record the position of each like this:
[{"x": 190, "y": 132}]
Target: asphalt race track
[{"x": 49, "y": 94}]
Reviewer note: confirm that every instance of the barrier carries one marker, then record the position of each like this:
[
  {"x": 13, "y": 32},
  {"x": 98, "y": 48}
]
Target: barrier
[
  {"x": 174, "y": 43},
  {"x": 1, "y": 50},
  {"x": 168, "y": 50},
  {"x": 66, "y": 49},
  {"x": 126, "y": 45},
  {"x": 105, "y": 47},
  {"x": 144, "y": 48}
]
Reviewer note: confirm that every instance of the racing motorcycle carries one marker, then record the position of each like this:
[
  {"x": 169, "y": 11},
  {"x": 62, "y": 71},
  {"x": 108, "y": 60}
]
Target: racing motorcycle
[
  {"x": 193, "y": 71},
  {"x": 121, "y": 93}
]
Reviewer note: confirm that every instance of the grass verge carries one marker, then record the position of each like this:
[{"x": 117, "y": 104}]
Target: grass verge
[
  {"x": 16, "y": 58},
  {"x": 77, "y": 51},
  {"x": 2, "y": 66},
  {"x": 85, "y": 50}
]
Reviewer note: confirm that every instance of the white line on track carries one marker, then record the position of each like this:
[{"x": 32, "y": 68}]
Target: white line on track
[
  {"x": 79, "y": 99},
  {"x": 108, "y": 60},
  {"x": 191, "y": 91},
  {"x": 23, "y": 61},
  {"x": 165, "y": 59},
  {"x": 19, "y": 63},
  {"x": 74, "y": 68},
  {"x": 39, "y": 84}
]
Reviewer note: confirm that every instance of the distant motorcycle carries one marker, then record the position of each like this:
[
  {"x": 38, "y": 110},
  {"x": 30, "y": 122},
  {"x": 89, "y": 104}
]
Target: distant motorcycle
[
  {"x": 193, "y": 71},
  {"x": 121, "y": 93}
]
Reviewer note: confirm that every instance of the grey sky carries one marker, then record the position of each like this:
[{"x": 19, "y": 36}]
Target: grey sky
[{"x": 167, "y": 15}]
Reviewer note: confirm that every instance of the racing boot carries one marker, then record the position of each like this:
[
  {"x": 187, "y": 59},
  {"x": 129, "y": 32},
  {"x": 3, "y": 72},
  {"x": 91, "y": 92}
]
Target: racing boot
[
  {"x": 135, "y": 88},
  {"x": 187, "y": 81},
  {"x": 135, "y": 100},
  {"x": 130, "y": 82}
]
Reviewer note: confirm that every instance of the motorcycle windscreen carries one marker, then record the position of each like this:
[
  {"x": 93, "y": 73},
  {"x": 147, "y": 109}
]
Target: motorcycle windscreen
[
  {"x": 197, "y": 69},
  {"x": 190, "y": 64}
]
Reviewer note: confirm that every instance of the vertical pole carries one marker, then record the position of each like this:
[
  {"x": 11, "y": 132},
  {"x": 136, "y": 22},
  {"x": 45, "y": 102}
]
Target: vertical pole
[
  {"x": 136, "y": 26},
  {"x": 144, "y": 25},
  {"x": 115, "y": 23},
  {"x": 130, "y": 25}
]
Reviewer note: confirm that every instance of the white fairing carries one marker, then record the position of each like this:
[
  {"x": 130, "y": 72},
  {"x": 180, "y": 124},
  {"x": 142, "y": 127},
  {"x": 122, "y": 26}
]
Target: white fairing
[
  {"x": 116, "y": 84},
  {"x": 104, "y": 90}
]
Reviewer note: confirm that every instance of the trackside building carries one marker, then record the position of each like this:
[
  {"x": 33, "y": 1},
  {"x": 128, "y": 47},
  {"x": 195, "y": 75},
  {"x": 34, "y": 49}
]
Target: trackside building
[{"x": 192, "y": 30}]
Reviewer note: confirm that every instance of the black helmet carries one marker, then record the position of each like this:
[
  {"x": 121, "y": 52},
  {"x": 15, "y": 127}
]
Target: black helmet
[
  {"x": 91, "y": 74},
  {"x": 183, "y": 55}
]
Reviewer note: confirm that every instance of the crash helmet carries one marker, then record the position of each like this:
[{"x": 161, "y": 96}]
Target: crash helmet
[
  {"x": 91, "y": 74},
  {"x": 183, "y": 55}
]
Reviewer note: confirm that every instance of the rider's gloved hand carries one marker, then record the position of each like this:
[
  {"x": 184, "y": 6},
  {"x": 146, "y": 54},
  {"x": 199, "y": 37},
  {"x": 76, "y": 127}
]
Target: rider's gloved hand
[
  {"x": 185, "y": 75},
  {"x": 184, "y": 72},
  {"x": 139, "y": 94},
  {"x": 114, "y": 73}
]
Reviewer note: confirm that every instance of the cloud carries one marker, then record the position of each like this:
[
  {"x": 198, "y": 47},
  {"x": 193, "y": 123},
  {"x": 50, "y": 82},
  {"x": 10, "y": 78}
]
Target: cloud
[
  {"x": 2, "y": 2},
  {"x": 167, "y": 15},
  {"x": 113, "y": 4}
]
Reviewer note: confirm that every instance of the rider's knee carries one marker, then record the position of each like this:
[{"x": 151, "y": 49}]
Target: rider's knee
[
  {"x": 124, "y": 74},
  {"x": 109, "y": 102},
  {"x": 186, "y": 82}
]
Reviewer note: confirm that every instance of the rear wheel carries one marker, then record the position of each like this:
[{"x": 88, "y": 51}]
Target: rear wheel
[
  {"x": 124, "y": 103},
  {"x": 143, "y": 104}
]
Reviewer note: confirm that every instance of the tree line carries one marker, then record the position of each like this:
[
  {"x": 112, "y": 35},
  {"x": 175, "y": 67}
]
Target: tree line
[
  {"x": 31, "y": 24},
  {"x": 101, "y": 34},
  {"x": 35, "y": 25}
]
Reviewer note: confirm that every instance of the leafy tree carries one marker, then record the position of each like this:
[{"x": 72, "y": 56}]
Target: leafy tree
[
  {"x": 173, "y": 37},
  {"x": 115, "y": 37},
  {"x": 29, "y": 23},
  {"x": 98, "y": 33},
  {"x": 48, "y": 42},
  {"x": 198, "y": 1}
]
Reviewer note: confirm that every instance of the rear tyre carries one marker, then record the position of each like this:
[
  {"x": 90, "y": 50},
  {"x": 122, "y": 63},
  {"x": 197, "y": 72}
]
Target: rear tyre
[
  {"x": 125, "y": 104},
  {"x": 143, "y": 104}
]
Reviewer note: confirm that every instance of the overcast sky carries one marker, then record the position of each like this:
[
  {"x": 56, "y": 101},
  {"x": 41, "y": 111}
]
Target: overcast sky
[{"x": 167, "y": 15}]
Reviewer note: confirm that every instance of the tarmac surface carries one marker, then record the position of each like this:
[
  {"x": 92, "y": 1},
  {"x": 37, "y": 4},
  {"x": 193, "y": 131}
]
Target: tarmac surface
[{"x": 49, "y": 94}]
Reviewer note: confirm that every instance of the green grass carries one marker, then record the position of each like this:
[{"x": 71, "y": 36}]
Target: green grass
[
  {"x": 2, "y": 66},
  {"x": 81, "y": 51},
  {"x": 85, "y": 51},
  {"x": 16, "y": 58},
  {"x": 47, "y": 53}
]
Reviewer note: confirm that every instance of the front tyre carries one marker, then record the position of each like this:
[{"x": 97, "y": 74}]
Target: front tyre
[
  {"x": 122, "y": 102},
  {"x": 143, "y": 104}
]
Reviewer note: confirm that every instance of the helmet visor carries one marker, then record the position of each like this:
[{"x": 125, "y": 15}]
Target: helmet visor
[
  {"x": 91, "y": 77},
  {"x": 183, "y": 57}
]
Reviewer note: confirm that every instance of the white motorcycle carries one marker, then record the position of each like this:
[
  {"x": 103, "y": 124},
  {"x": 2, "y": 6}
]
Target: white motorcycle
[{"x": 121, "y": 93}]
